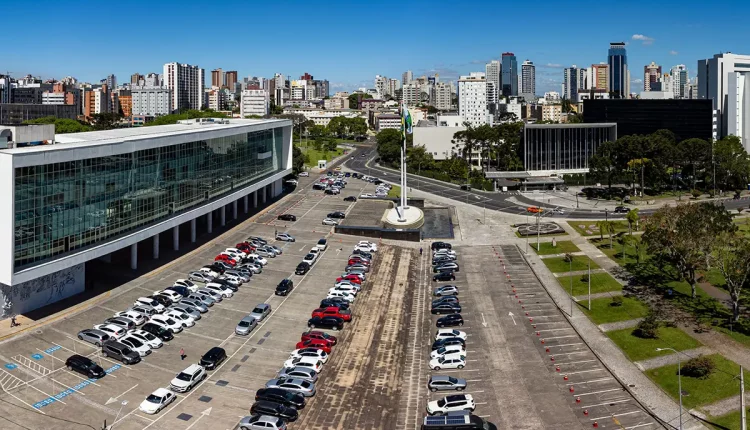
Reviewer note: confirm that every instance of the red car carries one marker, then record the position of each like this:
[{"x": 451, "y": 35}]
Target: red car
[
  {"x": 244, "y": 247},
  {"x": 332, "y": 311},
  {"x": 355, "y": 261},
  {"x": 354, "y": 279},
  {"x": 225, "y": 258},
  {"x": 317, "y": 334},
  {"x": 315, "y": 343}
]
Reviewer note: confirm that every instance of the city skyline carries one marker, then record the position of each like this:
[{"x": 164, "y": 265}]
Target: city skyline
[{"x": 350, "y": 66}]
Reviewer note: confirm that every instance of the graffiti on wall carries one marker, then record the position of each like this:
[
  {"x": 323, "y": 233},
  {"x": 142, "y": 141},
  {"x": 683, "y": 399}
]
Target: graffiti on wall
[{"x": 41, "y": 291}]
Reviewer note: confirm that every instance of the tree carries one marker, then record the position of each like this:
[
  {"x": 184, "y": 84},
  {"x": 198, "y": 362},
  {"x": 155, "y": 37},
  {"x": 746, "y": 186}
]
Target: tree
[
  {"x": 602, "y": 226},
  {"x": 298, "y": 160},
  {"x": 731, "y": 256},
  {"x": 105, "y": 121},
  {"x": 62, "y": 125},
  {"x": 330, "y": 145},
  {"x": 276, "y": 109},
  {"x": 695, "y": 152},
  {"x": 318, "y": 131},
  {"x": 732, "y": 163},
  {"x": 354, "y": 99},
  {"x": 417, "y": 157},
  {"x": 603, "y": 163},
  {"x": 432, "y": 109},
  {"x": 632, "y": 218},
  {"x": 389, "y": 145},
  {"x": 337, "y": 126},
  {"x": 357, "y": 126}
]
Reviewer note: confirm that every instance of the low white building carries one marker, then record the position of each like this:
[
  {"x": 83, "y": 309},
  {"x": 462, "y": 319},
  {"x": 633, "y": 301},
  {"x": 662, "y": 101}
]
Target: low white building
[
  {"x": 512, "y": 106},
  {"x": 322, "y": 116},
  {"x": 387, "y": 120},
  {"x": 254, "y": 102},
  {"x": 150, "y": 100},
  {"x": 437, "y": 137}
]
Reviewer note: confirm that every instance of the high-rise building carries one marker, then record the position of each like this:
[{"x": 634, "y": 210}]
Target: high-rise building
[
  {"x": 150, "y": 100},
  {"x": 254, "y": 102},
  {"x": 217, "y": 78},
  {"x": 570, "y": 83},
  {"x": 411, "y": 94},
  {"x": 492, "y": 72},
  {"x": 509, "y": 79},
  {"x": 600, "y": 77},
  {"x": 97, "y": 101},
  {"x": 472, "y": 99},
  {"x": 186, "y": 84},
  {"x": 135, "y": 78},
  {"x": 584, "y": 79},
  {"x": 651, "y": 76},
  {"x": 528, "y": 78},
  {"x": 230, "y": 78},
  {"x": 679, "y": 75},
  {"x": 298, "y": 90},
  {"x": 111, "y": 82},
  {"x": 381, "y": 86},
  {"x": 442, "y": 95},
  {"x": 217, "y": 99},
  {"x": 492, "y": 96},
  {"x": 393, "y": 86},
  {"x": 725, "y": 79},
  {"x": 406, "y": 78},
  {"x": 619, "y": 82}
]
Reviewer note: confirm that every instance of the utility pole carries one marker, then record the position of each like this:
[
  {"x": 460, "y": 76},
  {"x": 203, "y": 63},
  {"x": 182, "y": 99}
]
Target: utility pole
[
  {"x": 590, "y": 283},
  {"x": 743, "y": 413},
  {"x": 571, "y": 285}
]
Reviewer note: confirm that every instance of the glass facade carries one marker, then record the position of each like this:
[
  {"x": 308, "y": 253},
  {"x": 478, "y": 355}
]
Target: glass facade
[
  {"x": 618, "y": 62},
  {"x": 557, "y": 148},
  {"x": 62, "y": 207}
]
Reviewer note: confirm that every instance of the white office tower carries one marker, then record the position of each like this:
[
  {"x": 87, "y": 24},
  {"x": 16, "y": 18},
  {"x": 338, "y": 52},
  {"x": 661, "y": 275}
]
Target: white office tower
[
  {"x": 411, "y": 94},
  {"x": 528, "y": 78},
  {"x": 472, "y": 99},
  {"x": 680, "y": 81},
  {"x": 407, "y": 77},
  {"x": 151, "y": 100},
  {"x": 442, "y": 95},
  {"x": 492, "y": 72},
  {"x": 187, "y": 85},
  {"x": 381, "y": 86},
  {"x": 254, "y": 102},
  {"x": 724, "y": 79}
]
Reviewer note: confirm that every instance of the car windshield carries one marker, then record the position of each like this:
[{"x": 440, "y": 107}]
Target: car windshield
[
  {"x": 148, "y": 335},
  {"x": 135, "y": 342},
  {"x": 441, "y": 350},
  {"x": 244, "y": 324},
  {"x": 170, "y": 321},
  {"x": 153, "y": 399},
  {"x": 183, "y": 376},
  {"x": 258, "y": 310},
  {"x": 126, "y": 351},
  {"x": 453, "y": 380},
  {"x": 304, "y": 384},
  {"x": 441, "y": 403}
]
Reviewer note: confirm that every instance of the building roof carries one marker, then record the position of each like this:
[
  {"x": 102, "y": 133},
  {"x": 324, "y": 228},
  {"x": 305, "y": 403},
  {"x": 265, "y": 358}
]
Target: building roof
[
  {"x": 119, "y": 135},
  {"x": 575, "y": 125}
]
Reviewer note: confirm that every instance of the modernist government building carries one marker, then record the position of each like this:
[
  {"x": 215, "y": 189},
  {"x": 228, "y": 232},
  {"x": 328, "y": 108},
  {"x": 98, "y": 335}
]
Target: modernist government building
[{"x": 72, "y": 198}]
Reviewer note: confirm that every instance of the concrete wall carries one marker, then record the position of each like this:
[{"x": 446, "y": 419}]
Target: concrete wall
[
  {"x": 414, "y": 235},
  {"x": 436, "y": 140},
  {"x": 42, "y": 291}
]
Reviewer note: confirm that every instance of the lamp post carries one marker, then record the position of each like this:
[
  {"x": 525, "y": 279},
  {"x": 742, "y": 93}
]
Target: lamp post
[
  {"x": 679, "y": 378},
  {"x": 123, "y": 403}
]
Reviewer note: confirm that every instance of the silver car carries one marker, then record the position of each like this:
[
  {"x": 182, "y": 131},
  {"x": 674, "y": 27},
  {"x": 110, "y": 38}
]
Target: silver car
[
  {"x": 298, "y": 373},
  {"x": 195, "y": 304},
  {"x": 91, "y": 335},
  {"x": 246, "y": 325},
  {"x": 200, "y": 277},
  {"x": 261, "y": 311},
  {"x": 275, "y": 249},
  {"x": 213, "y": 294},
  {"x": 144, "y": 310},
  {"x": 189, "y": 310},
  {"x": 443, "y": 383},
  {"x": 262, "y": 422},
  {"x": 306, "y": 388},
  {"x": 253, "y": 267},
  {"x": 125, "y": 323},
  {"x": 263, "y": 252},
  {"x": 202, "y": 298},
  {"x": 242, "y": 274}
]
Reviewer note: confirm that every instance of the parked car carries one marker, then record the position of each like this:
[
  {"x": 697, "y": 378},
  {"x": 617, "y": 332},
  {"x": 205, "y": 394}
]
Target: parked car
[
  {"x": 448, "y": 362},
  {"x": 158, "y": 307},
  {"x": 446, "y": 308},
  {"x": 199, "y": 276},
  {"x": 330, "y": 221},
  {"x": 451, "y": 320},
  {"x": 449, "y": 332},
  {"x": 306, "y": 388},
  {"x": 285, "y": 287},
  {"x": 447, "y": 350},
  {"x": 318, "y": 354},
  {"x": 336, "y": 302},
  {"x": 84, "y": 366},
  {"x": 299, "y": 372},
  {"x": 114, "y": 331},
  {"x": 458, "y": 402},
  {"x": 307, "y": 362},
  {"x": 162, "y": 333},
  {"x": 157, "y": 401},
  {"x": 182, "y": 291},
  {"x": 136, "y": 345},
  {"x": 320, "y": 335},
  {"x": 149, "y": 339},
  {"x": 144, "y": 310},
  {"x": 445, "y": 299},
  {"x": 304, "y": 174},
  {"x": 261, "y": 311},
  {"x": 445, "y": 290},
  {"x": 448, "y": 341},
  {"x": 446, "y": 266},
  {"x": 246, "y": 325},
  {"x": 340, "y": 294},
  {"x": 444, "y": 276},
  {"x": 279, "y": 395},
  {"x": 444, "y": 383},
  {"x": 264, "y": 407},
  {"x": 136, "y": 317},
  {"x": 357, "y": 266},
  {"x": 287, "y": 217},
  {"x": 333, "y": 323},
  {"x": 262, "y": 422},
  {"x": 181, "y": 317},
  {"x": 188, "y": 378},
  {"x": 336, "y": 215},
  {"x": 440, "y": 245},
  {"x": 350, "y": 199},
  {"x": 213, "y": 357},
  {"x": 332, "y": 312},
  {"x": 118, "y": 351},
  {"x": 302, "y": 268},
  {"x": 621, "y": 210},
  {"x": 309, "y": 259},
  {"x": 167, "y": 323}
]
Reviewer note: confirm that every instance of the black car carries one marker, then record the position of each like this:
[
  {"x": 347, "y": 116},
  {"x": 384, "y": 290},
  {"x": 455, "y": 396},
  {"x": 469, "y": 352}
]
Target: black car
[
  {"x": 333, "y": 323},
  {"x": 213, "y": 357},
  {"x": 441, "y": 259},
  {"x": 337, "y": 214},
  {"x": 350, "y": 199},
  {"x": 318, "y": 186},
  {"x": 444, "y": 276},
  {"x": 264, "y": 407},
  {"x": 278, "y": 395},
  {"x": 445, "y": 299},
  {"x": 158, "y": 331},
  {"x": 446, "y": 308},
  {"x": 84, "y": 366},
  {"x": 440, "y": 245},
  {"x": 215, "y": 267},
  {"x": 329, "y": 173},
  {"x": 621, "y": 210},
  {"x": 287, "y": 217},
  {"x": 225, "y": 283},
  {"x": 336, "y": 302},
  {"x": 347, "y": 174},
  {"x": 184, "y": 292},
  {"x": 365, "y": 254},
  {"x": 448, "y": 341},
  {"x": 285, "y": 287},
  {"x": 162, "y": 300},
  {"x": 302, "y": 268},
  {"x": 451, "y": 320},
  {"x": 329, "y": 192}
]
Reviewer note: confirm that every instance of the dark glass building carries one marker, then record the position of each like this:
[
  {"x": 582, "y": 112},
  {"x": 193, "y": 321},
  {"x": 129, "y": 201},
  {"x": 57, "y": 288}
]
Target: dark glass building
[
  {"x": 563, "y": 148},
  {"x": 509, "y": 81},
  {"x": 685, "y": 118},
  {"x": 618, "y": 65}
]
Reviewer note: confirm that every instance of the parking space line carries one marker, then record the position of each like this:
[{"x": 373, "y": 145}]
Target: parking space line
[
  {"x": 606, "y": 403},
  {"x": 555, "y": 329},
  {"x": 566, "y": 344},
  {"x": 601, "y": 391},
  {"x": 32, "y": 408},
  {"x": 571, "y": 353},
  {"x": 574, "y": 362},
  {"x": 617, "y": 415},
  {"x": 561, "y": 337},
  {"x": 216, "y": 339},
  {"x": 51, "y": 355},
  {"x": 46, "y": 395},
  {"x": 66, "y": 386},
  {"x": 639, "y": 425},
  {"x": 585, "y": 371},
  {"x": 590, "y": 381}
]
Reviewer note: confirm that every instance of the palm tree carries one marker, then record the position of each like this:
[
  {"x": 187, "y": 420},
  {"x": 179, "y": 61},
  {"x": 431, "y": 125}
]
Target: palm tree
[{"x": 632, "y": 218}]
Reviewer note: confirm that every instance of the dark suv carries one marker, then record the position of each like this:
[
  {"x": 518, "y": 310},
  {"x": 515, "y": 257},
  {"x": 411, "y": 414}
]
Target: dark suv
[
  {"x": 339, "y": 215},
  {"x": 285, "y": 287},
  {"x": 440, "y": 245},
  {"x": 278, "y": 395},
  {"x": 302, "y": 268},
  {"x": 120, "y": 351},
  {"x": 287, "y": 217},
  {"x": 264, "y": 407},
  {"x": 158, "y": 331},
  {"x": 444, "y": 276},
  {"x": 213, "y": 357},
  {"x": 85, "y": 366}
]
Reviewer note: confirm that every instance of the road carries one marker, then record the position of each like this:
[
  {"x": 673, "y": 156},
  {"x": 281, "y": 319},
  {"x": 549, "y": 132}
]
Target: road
[{"x": 489, "y": 200}]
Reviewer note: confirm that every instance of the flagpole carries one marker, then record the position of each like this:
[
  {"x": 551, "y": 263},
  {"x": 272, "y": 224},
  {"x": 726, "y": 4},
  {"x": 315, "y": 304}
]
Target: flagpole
[{"x": 403, "y": 161}]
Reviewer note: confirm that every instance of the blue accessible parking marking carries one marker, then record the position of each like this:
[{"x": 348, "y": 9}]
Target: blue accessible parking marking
[
  {"x": 69, "y": 391},
  {"x": 53, "y": 349},
  {"x": 10, "y": 366},
  {"x": 37, "y": 356}
]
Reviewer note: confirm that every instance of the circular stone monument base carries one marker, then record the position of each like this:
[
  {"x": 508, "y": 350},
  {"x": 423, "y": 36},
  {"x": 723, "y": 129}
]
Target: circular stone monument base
[
  {"x": 543, "y": 228},
  {"x": 413, "y": 218}
]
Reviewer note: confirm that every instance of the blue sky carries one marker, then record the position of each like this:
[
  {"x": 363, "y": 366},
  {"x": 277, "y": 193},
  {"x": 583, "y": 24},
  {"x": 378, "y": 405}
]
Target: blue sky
[{"x": 349, "y": 42}]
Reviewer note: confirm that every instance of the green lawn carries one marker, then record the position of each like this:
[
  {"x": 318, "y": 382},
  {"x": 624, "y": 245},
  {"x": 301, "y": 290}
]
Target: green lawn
[
  {"x": 729, "y": 421},
  {"x": 546, "y": 248},
  {"x": 638, "y": 349},
  {"x": 313, "y": 155},
  {"x": 395, "y": 191},
  {"x": 720, "y": 385},
  {"x": 603, "y": 312},
  {"x": 533, "y": 238},
  {"x": 600, "y": 283},
  {"x": 588, "y": 228},
  {"x": 559, "y": 265},
  {"x": 737, "y": 336},
  {"x": 616, "y": 252}
]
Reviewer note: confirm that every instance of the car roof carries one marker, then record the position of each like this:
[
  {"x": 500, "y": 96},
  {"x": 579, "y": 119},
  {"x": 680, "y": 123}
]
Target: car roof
[
  {"x": 440, "y": 378},
  {"x": 263, "y": 305},
  {"x": 455, "y": 397},
  {"x": 215, "y": 350},
  {"x": 248, "y": 319},
  {"x": 193, "y": 368},
  {"x": 161, "y": 392}
]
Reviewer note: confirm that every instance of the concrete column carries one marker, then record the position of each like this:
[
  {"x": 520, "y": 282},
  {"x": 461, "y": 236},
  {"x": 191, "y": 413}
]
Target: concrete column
[
  {"x": 255, "y": 199},
  {"x": 210, "y": 222},
  {"x": 192, "y": 230},
  {"x": 176, "y": 237},
  {"x": 265, "y": 193},
  {"x": 156, "y": 247},
  {"x": 134, "y": 256},
  {"x": 245, "y": 202},
  {"x": 223, "y": 215},
  {"x": 234, "y": 209}
]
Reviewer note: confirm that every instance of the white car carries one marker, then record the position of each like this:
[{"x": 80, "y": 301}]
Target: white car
[
  {"x": 188, "y": 378},
  {"x": 166, "y": 323},
  {"x": 365, "y": 248},
  {"x": 158, "y": 307},
  {"x": 211, "y": 293},
  {"x": 181, "y": 317},
  {"x": 136, "y": 345},
  {"x": 444, "y": 333},
  {"x": 235, "y": 253},
  {"x": 346, "y": 296},
  {"x": 149, "y": 339},
  {"x": 174, "y": 296},
  {"x": 366, "y": 196},
  {"x": 330, "y": 221},
  {"x": 132, "y": 315},
  {"x": 445, "y": 252},
  {"x": 291, "y": 181},
  {"x": 310, "y": 352},
  {"x": 114, "y": 331},
  {"x": 255, "y": 258},
  {"x": 204, "y": 275},
  {"x": 310, "y": 258},
  {"x": 236, "y": 280},
  {"x": 304, "y": 174},
  {"x": 373, "y": 246},
  {"x": 347, "y": 288},
  {"x": 347, "y": 283},
  {"x": 144, "y": 310},
  {"x": 190, "y": 285},
  {"x": 448, "y": 349},
  {"x": 452, "y": 361},
  {"x": 308, "y": 362},
  {"x": 286, "y": 237},
  {"x": 224, "y": 291},
  {"x": 157, "y": 401},
  {"x": 208, "y": 272},
  {"x": 454, "y": 403}
]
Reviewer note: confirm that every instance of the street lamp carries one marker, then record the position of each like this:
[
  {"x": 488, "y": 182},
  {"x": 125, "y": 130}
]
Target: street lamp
[
  {"x": 679, "y": 378},
  {"x": 123, "y": 403}
]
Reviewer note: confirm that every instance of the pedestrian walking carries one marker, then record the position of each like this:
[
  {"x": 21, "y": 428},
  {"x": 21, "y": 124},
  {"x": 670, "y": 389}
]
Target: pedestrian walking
[
  {"x": 13, "y": 322},
  {"x": 420, "y": 251},
  {"x": 182, "y": 353}
]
